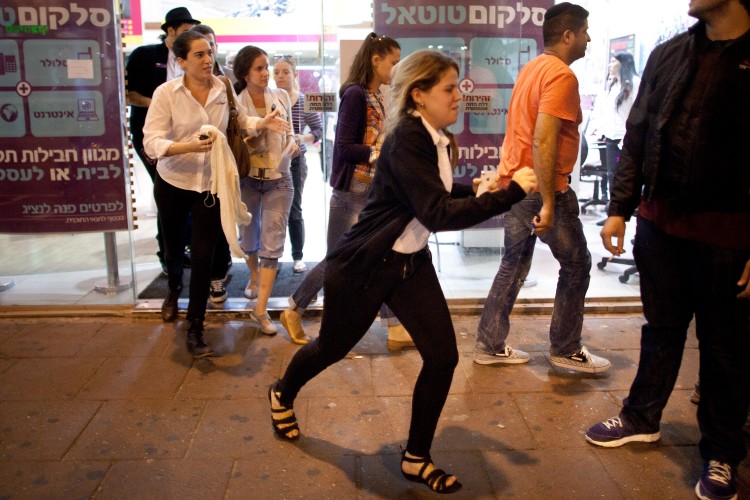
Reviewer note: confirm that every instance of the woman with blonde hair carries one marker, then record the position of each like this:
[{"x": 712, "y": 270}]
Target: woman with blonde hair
[
  {"x": 268, "y": 190},
  {"x": 285, "y": 75},
  {"x": 385, "y": 259}
]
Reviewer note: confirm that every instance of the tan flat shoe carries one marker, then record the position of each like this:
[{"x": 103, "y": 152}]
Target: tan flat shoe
[{"x": 264, "y": 323}]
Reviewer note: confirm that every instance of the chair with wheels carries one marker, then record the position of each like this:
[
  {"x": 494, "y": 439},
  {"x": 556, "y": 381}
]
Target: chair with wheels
[{"x": 627, "y": 273}]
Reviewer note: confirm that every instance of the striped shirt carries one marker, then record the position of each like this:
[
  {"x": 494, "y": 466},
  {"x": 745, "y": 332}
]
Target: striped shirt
[{"x": 300, "y": 119}]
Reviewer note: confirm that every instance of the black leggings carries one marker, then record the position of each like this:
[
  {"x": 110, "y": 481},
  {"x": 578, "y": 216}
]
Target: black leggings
[
  {"x": 418, "y": 301},
  {"x": 174, "y": 205}
]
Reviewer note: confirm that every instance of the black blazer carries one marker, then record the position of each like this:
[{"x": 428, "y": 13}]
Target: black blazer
[{"x": 407, "y": 184}]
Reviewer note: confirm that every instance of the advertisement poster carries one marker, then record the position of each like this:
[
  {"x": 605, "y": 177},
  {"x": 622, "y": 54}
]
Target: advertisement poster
[
  {"x": 491, "y": 41},
  {"x": 62, "y": 128}
]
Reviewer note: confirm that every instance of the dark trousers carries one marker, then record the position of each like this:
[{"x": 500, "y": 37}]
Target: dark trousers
[
  {"x": 409, "y": 286},
  {"x": 682, "y": 279},
  {"x": 610, "y": 157},
  {"x": 174, "y": 206},
  {"x": 296, "y": 222}
]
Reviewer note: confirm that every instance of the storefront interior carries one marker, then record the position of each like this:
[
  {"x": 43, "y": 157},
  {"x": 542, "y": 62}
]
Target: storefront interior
[{"x": 87, "y": 270}]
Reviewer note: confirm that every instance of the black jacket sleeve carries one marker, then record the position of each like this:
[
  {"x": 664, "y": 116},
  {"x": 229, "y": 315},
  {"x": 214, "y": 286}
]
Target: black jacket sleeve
[{"x": 411, "y": 160}]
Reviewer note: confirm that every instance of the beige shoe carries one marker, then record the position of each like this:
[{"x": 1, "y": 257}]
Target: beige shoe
[
  {"x": 398, "y": 338},
  {"x": 292, "y": 321},
  {"x": 265, "y": 324}
]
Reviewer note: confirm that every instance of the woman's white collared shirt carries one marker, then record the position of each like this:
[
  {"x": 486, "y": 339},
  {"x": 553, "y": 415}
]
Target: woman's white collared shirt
[{"x": 176, "y": 116}]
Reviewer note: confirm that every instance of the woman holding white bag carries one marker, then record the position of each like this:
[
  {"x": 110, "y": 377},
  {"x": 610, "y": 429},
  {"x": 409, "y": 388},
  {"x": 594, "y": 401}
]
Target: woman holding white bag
[
  {"x": 268, "y": 190},
  {"x": 177, "y": 119}
]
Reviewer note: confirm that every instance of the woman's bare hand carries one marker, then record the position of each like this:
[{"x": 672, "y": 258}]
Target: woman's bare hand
[{"x": 272, "y": 122}]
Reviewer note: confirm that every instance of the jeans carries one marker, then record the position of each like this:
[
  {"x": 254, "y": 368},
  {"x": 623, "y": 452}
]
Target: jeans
[
  {"x": 419, "y": 302},
  {"x": 296, "y": 222},
  {"x": 344, "y": 213},
  {"x": 269, "y": 203},
  {"x": 681, "y": 279},
  {"x": 568, "y": 245},
  {"x": 207, "y": 256}
]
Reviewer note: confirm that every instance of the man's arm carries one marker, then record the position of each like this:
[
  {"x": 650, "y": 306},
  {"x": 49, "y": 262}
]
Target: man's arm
[
  {"x": 546, "y": 132},
  {"x": 136, "y": 99}
]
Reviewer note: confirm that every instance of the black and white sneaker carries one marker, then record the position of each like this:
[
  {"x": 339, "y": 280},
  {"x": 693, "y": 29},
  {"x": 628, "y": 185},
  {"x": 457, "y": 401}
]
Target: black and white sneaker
[
  {"x": 581, "y": 361},
  {"x": 716, "y": 482},
  {"x": 508, "y": 356},
  {"x": 218, "y": 291}
]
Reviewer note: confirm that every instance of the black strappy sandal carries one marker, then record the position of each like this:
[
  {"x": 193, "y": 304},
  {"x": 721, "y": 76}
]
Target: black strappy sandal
[
  {"x": 283, "y": 420},
  {"x": 435, "y": 480}
]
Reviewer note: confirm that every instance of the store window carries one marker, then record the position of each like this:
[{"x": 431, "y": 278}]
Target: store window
[{"x": 320, "y": 37}]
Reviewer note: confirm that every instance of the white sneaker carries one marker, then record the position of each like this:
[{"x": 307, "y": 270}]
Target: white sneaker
[
  {"x": 581, "y": 361},
  {"x": 507, "y": 356}
]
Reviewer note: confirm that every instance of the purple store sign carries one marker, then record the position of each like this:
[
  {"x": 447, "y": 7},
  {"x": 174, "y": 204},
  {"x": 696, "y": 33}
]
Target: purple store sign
[
  {"x": 491, "y": 41},
  {"x": 63, "y": 167}
]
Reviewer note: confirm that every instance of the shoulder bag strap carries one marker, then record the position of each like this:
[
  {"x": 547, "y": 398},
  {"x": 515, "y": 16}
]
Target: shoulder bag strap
[{"x": 230, "y": 94}]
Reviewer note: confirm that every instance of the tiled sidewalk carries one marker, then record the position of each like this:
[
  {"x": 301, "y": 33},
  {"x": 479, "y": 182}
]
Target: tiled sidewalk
[{"x": 115, "y": 408}]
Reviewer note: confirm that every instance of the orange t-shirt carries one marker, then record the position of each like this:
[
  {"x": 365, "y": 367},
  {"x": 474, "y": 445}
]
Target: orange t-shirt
[{"x": 544, "y": 85}]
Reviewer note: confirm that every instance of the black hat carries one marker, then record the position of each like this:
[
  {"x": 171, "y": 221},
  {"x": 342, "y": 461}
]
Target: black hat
[{"x": 178, "y": 15}]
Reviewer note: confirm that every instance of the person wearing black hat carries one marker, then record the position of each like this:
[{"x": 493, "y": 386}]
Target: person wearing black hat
[{"x": 148, "y": 67}]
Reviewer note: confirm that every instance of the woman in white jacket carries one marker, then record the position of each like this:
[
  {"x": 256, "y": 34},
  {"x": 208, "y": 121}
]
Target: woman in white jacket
[
  {"x": 612, "y": 108},
  {"x": 268, "y": 190},
  {"x": 178, "y": 110}
]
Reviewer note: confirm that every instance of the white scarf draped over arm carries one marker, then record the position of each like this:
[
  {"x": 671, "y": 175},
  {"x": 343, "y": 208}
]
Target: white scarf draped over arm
[{"x": 225, "y": 183}]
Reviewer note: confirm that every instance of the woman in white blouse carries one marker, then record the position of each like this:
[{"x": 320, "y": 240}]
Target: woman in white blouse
[{"x": 179, "y": 108}]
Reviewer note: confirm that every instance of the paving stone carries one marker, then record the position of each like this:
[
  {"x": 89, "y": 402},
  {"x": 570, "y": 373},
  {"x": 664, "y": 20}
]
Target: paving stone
[
  {"x": 133, "y": 339},
  {"x": 139, "y": 430},
  {"x": 52, "y": 479},
  {"x": 560, "y": 420},
  {"x": 46, "y": 378},
  {"x": 241, "y": 429},
  {"x": 117, "y": 408},
  {"x": 134, "y": 378},
  {"x": 295, "y": 475},
  {"x": 558, "y": 473},
  {"x": 166, "y": 479},
  {"x": 42, "y": 430},
  {"x": 55, "y": 339}
]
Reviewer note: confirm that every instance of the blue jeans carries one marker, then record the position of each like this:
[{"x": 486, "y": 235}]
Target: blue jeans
[
  {"x": 568, "y": 245},
  {"x": 344, "y": 213},
  {"x": 269, "y": 203},
  {"x": 681, "y": 279}
]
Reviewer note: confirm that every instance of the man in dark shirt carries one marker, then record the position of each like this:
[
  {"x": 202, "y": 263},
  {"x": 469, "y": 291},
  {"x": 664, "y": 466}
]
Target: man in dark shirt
[{"x": 684, "y": 166}]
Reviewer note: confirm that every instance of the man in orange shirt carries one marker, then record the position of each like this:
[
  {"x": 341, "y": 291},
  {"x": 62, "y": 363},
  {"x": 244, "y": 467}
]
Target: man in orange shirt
[{"x": 542, "y": 133}]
